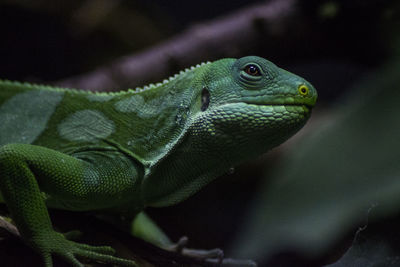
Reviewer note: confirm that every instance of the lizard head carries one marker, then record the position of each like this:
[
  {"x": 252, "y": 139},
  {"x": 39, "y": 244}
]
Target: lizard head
[
  {"x": 235, "y": 109},
  {"x": 248, "y": 105}
]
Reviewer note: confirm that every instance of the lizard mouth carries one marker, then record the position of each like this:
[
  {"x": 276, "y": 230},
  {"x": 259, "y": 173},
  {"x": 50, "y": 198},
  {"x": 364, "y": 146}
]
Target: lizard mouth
[
  {"x": 267, "y": 110},
  {"x": 280, "y": 104},
  {"x": 307, "y": 107},
  {"x": 285, "y": 102}
]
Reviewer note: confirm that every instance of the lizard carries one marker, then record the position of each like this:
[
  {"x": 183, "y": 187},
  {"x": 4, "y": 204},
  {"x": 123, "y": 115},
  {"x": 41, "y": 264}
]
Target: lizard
[{"x": 120, "y": 152}]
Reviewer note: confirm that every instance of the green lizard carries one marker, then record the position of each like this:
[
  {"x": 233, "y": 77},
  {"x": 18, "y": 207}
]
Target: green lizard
[{"x": 153, "y": 146}]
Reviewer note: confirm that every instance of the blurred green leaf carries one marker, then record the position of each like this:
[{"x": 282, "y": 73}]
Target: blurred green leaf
[{"x": 374, "y": 246}]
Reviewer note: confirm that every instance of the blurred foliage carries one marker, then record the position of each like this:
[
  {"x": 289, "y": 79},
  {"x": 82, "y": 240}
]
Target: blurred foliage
[
  {"x": 308, "y": 198},
  {"x": 374, "y": 246}
]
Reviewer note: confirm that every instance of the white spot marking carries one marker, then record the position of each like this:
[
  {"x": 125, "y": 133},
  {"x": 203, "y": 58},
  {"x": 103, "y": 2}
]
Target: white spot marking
[
  {"x": 99, "y": 97},
  {"x": 24, "y": 116},
  {"x": 137, "y": 104},
  {"x": 86, "y": 126}
]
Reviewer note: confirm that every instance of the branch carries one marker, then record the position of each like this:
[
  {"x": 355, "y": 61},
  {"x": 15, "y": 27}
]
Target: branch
[
  {"x": 131, "y": 247},
  {"x": 224, "y": 36}
]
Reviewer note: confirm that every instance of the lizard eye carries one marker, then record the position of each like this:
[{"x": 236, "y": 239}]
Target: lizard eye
[
  {"x": 252, "y": 70},
  {"x": 251, "y": 74},
  {"x": 205, "y": 99}
]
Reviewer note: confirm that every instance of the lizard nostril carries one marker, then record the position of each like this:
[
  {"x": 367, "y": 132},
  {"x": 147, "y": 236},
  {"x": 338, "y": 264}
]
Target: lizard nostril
[{"x": 303, "y": 90}]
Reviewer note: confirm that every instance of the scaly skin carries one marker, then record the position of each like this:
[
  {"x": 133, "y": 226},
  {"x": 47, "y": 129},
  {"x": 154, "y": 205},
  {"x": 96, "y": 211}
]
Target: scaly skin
[{"x": 120, "y": 152}]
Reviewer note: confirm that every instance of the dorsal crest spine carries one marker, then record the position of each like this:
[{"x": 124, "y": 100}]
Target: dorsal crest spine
[
  {"x": 165, "y": 81},
  {"x": 77, "y": 91}
]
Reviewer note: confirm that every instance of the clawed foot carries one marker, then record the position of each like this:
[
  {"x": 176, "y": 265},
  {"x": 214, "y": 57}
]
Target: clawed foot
[
  {"x": 53, "y": 243},
  {"x": 215, "y": 256}
]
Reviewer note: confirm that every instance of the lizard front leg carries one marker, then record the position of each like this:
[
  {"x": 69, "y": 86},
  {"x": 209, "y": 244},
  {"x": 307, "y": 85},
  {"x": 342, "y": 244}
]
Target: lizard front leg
[
  {"x": 145, "y": 228},
  {"x": 30, "y": 174}
]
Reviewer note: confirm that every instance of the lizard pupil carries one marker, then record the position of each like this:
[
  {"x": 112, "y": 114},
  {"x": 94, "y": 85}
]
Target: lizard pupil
[
  {"x": 205, "y": 99},
  {"x": 252, "y": 70}
]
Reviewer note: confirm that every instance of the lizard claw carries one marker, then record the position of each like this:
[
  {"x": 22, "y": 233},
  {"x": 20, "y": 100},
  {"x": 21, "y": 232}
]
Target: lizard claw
[
  {"x": 178, "y": 246},
  {"x": 200, "y": 254},
  {"x": 215, "y": 253},
  {"x": 213, "y": 256}
]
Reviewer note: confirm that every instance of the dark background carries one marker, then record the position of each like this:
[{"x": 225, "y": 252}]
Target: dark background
[{"x": 336, "y": 45}]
